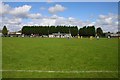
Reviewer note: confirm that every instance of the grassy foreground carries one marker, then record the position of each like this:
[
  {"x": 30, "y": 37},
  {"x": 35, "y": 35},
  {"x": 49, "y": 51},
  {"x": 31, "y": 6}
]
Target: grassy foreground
[{"x": 55, "y": 54}]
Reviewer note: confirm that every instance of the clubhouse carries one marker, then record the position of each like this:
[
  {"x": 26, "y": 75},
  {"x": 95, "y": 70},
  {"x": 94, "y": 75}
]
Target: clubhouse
[{"x": 53, "y": 35}]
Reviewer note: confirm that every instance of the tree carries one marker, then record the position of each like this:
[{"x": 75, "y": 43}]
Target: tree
[
  {"x": 81, "y": 32},
  {"x": 99, "y": 31},
  {"x": 84, "y": 31},
  {"x": 92, "y": 31},
  {"x": 87, "y": 31},
  {"x": 74, "y": 31},
  {"x": 4, "y": 31}
]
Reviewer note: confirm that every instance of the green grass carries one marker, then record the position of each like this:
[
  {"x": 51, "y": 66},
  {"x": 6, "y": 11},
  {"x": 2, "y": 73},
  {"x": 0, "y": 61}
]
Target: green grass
[{"x": 55, "y": 54}]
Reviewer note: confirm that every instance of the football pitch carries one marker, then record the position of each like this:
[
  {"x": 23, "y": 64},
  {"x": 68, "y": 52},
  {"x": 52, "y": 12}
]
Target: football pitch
[{"x": 59, "y": 58}]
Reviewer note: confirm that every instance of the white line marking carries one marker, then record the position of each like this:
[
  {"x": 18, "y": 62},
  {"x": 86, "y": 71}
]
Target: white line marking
[{"x": 42, "y": 71}]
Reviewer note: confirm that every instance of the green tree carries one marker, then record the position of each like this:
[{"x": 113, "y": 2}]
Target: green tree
[
  {"x": 99, "y": 31},
  {"x": 4, "y": 31},
  {"x": 46, "y": 30},
  {"x": 74, "y": 31},
  {"x": 81, "y": 31},
  {"x": 84, "y": 31},
  {"x": 87, "y": 31},
  {"x": 92, "y": 31}
]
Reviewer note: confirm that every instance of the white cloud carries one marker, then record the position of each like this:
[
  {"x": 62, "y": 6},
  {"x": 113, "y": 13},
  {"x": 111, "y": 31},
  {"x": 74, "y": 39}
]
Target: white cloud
[
  {"x": 59, "y": 20},
  {"x": 34, "y": 16},
  {"x": 13, "y": 28},
  {"x": 108, "y": 22},
  {"x": 4, "y": 8},
  {"x": 11, "y": 23},
  {"x": 13, "y": 18},
  {"x": 23, "y": 12},
  {"x": 18, "y": 12},
  {"x": 71, "y": 18},
  {"x": 56, "y": 8},
  {"x": 55, "y": 20},
  {"x": 46, "y": 22},
  {"x": 102, "y": 16}
]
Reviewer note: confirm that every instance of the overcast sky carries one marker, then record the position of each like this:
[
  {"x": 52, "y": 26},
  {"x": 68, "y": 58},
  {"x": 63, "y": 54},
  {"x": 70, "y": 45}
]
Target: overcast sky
[{"x": 100, "y": 14}]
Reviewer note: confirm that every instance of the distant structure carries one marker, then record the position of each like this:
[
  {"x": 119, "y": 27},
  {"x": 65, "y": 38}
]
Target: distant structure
[
  {"x": 14, "y": 34},
  {"x": 112, "y": 35},
  {"x": 53, "y": 35},
  {"x": 115, "y": 35},
  {"x": 59, "y": 35}
]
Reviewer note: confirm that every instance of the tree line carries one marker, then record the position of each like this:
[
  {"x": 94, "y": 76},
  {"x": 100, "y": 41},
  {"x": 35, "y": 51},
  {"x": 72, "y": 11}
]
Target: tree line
[
  {"x": 46, "y": 30},
  {"x": 73, "y": 30},
  {"x": 90, "y": 31}
]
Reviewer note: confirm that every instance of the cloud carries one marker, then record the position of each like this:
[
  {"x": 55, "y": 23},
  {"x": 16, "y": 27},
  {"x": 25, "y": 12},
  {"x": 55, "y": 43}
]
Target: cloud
[
  {"x": 15, "y": 21},
  {"x": 15, "y": 18},
  {"x": 108, "y": 22},
  {"x": 69, "y": 21},
  {"x": 34, "y": 16},
  {"x": 56, "y": 20},
  {"x": 11, "y": 23},
  {"x": 56, "y": 8},
  {"x": 20, "y": 11},
  {"x": 4, "y": 8},
  {"x": 23, "y": 12}
]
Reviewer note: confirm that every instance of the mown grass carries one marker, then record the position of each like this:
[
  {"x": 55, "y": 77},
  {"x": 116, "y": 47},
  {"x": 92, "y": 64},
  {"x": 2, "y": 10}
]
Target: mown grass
[{"x": 56, "y": 54}]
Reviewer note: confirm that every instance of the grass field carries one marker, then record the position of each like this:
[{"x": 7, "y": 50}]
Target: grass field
[{"x": 55, "y": 54}]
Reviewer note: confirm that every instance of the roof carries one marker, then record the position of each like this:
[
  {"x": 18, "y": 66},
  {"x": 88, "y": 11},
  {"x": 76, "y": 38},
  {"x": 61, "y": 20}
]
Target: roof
[
  {"x": 14, "y": 33},
  {"x": 18, "y": 33}
]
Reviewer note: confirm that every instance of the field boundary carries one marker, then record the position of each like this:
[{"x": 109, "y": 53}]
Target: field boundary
[{"x": 43, "y": 71}]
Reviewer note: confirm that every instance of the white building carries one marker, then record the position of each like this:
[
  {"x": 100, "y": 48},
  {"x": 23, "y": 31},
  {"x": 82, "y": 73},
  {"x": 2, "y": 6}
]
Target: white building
[
  {"x": 14, "y": 34},
  {"x": 51, "y": 36},
  {"x": 112, "y": 35},
  {"x": 59, "y": 35},
  {"x": 115, "y": 35}
]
